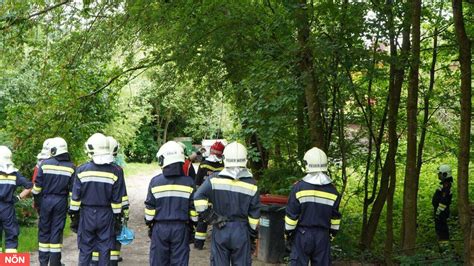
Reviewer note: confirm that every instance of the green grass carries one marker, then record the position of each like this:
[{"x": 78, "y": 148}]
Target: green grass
[
  {"x": 132, "y": 169},
  {"x": 28, "y": 238}
]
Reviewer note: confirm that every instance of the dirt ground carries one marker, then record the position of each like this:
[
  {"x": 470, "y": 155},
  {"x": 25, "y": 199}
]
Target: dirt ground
[{"x": 136, "y": 253}]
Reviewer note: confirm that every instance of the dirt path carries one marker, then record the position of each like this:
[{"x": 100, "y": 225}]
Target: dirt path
[{"x": 137, "y": 253}]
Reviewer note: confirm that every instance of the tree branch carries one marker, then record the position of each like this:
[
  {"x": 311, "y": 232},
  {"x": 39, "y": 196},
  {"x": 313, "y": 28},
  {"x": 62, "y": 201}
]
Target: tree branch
[
  {"x": 114, "y": 78},
  {"x": 36, "y": 14}
]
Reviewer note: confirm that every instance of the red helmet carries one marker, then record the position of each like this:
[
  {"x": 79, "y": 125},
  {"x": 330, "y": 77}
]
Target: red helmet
[{"x": 217, "y": 148}]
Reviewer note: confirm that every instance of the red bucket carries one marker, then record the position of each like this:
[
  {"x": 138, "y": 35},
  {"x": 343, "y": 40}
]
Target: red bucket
[{"x": 270, "y": 199}]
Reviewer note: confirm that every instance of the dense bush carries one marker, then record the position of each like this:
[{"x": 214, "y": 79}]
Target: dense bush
[
  {"x": 144, "y": 147},
  {"x": 278, "y": 180},
  {"x": 25, "y": 212}
]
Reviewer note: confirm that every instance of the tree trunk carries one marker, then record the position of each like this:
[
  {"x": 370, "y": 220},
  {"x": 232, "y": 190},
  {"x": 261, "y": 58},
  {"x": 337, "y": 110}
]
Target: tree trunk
[
  {"x": 397, "y": 71},
  {"x": 158, "y": 121},
  {"x": 426, "y": 100},
  {"x": 308, "y": 79},
  {"x": 165, "y": 130},
  {"x": 341, "y": 124},
  {"x": 258, "y": 166},
  {"x": 368, "y": 165},
  {"x": 465, "y": 127},
  {"x": 389, "y": 233},
  {"x": 300, "y": 127},
  {"x": 277, "y": 156},
  {"x": 472, "y": 233},
  {"x": 410, "y": 191}
]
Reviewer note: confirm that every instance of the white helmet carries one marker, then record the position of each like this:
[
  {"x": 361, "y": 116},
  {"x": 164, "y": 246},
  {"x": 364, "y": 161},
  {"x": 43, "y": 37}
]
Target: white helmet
[
  {"x": 315, "y": 160},
  {"x": 57, "y": 146},
  {"x": 98, "y": 148},
  {"x": 114, "y": 145},
  {"x": 169, "y": 153},
  {"x": 45, "y": 151},
  {"x": 6, "y": 163},
  {"x": 5, "y": 155},
  {"x": 444, "y": 172},
  {"x": 235, "y": 155}
]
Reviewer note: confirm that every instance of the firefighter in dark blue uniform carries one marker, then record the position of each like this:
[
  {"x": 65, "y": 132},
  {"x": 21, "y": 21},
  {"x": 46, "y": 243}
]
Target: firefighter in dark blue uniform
[
  {"x": 235, "y": 210},
  {"x": 312, "y": 215},
  {"x": 213, "y": 164},
  {"x": 10, "y": 179},
  {"x": 115, "y": 255},
  {"x": 441, "y": 201},
  {"x": 169, "y": 209},
  {"x": 96, "y": 202},
  {"x": 51, "y": 191}
]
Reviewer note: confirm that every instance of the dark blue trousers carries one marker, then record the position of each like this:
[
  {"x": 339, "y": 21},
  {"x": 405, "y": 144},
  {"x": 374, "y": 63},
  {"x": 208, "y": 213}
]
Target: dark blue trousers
[
  {"x": 95, "y": 233},
  {"x": 201, "y": 232},
  {"x": 10, "y": 226},
  {"x": 231, "y": 245},
  {"x": 442, "y": 229},
  {"x": 311, "y": 244},
  {"x": 52, "y": 218},
  {"x": 114, "y": 255},
  {"x": 169, "y": 244}
]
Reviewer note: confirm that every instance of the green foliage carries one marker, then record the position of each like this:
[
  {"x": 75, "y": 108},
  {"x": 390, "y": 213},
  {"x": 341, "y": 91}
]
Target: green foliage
[
  {"x": 144, "y": 146},
  {"x": 25, "y": 213},
  {"x": 347, "y": 240},
  {"x": 278, "y": 180},
  {"x": 431, "y": 257},
  {"x": 129, "y": 115}
]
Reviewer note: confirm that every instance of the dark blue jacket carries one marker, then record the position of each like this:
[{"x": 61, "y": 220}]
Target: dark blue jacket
[
  {"x": 442, "y": 200},
  {"x": 237, "y": 200},
  {"x": 123, "y": 188},
  {"x": 313, "y": 206},
  {"x": 98, "y": 186},
  {"x": 55, "y": 176},
  {"x": 8, "y": 184},
  {"x": 170, "y": 196},
  {"x": 206, "y": 169}
]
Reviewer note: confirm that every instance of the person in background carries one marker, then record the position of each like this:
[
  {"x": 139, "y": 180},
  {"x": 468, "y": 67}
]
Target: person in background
[
  {"x": 188, "y": 167},
  {"x": 312, "y": 214},
  {"x": 441, "y": 201},
  {"x": 44, "y": 154},
  {"x": 213, "y": 164},
  {"x": 10, "y": 179},
  {"x": 202, "y": 153}
]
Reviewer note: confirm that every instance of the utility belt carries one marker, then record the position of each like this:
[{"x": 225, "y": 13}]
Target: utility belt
[
  {"x": 56, "y": 194},
  {"x": 96, "y": 206},
  {"x": 313, "y": 227},
  {"x": 235, "y": 220},
  {"x": 219, "y": 221}
]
